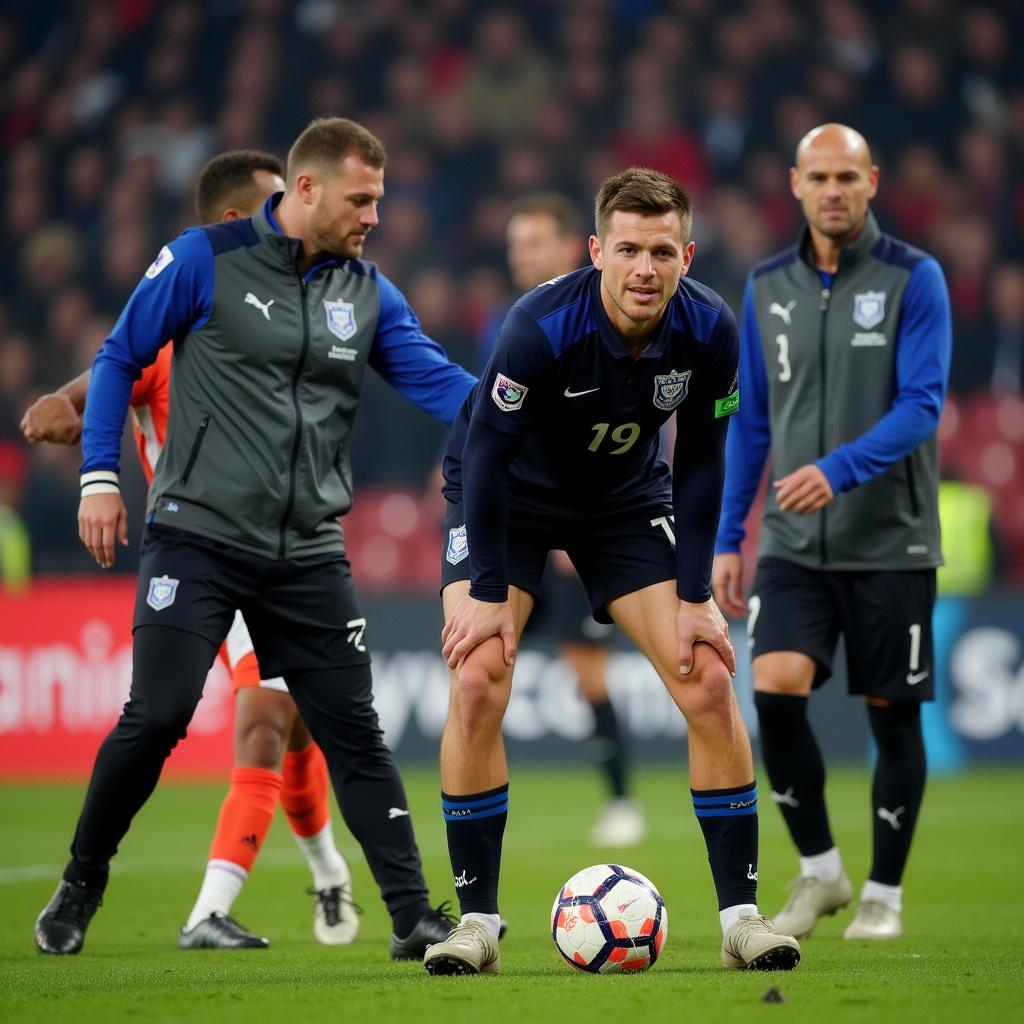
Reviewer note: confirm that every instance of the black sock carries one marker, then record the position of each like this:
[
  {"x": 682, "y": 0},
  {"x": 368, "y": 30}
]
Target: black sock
[
  {"x": 475, "y": 823},
  {"x": 898, "y": 787},
  {"x": 405, "y": 920},
  {"x": 728, "y": 819},
  {"x": 795, "y": 769},
  {"x": 608, "y": 746}
]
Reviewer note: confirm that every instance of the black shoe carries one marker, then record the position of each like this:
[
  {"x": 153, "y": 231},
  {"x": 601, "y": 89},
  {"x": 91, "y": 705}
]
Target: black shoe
[
  {"x": 60, "y": 928},
  {"x": 218, "y": 931},
  {"x": 433, "y": 926}
]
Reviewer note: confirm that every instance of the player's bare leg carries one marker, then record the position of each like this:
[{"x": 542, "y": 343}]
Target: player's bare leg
[
  {"x": 796, "y": 770},
  {"x": 474, "y": 783},
  {"x": 721, "y": 774}
]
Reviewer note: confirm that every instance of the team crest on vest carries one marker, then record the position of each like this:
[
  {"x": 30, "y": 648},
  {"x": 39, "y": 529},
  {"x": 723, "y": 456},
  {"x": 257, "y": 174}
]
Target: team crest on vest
[
  {"x": 868, "y": 309},
  {"x": 670, "y": 389},
  {"x": 341, "y": 318},
  {"x": 458, "y": 546},
  {"x": 162, "y": 590}
]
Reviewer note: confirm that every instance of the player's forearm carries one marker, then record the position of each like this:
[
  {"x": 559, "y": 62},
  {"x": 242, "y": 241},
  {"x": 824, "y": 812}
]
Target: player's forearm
[
  {"x": 106, "y": 406},
  {"x": 697, "y": 497},
  {"x": 485, "y": 462},
  {"x": 75, "y": 390}
]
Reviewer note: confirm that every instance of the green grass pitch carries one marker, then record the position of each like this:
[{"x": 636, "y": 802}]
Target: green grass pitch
[{"x": 962, "y": 958}]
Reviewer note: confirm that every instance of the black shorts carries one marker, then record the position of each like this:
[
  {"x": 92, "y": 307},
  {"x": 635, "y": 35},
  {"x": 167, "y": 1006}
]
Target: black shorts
[
  {"x": 301, "y": 612},
  {"x": 614, "y": 553},
  {"x": 885, "y": 618}
]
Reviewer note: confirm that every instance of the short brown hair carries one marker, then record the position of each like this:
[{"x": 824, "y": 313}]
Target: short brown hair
[
  {"x": 561, "y": 209},
  {"x": 328, "y": 140},
  {"x": 227, "y": 180},
  {"x": 642, "y": 190}
]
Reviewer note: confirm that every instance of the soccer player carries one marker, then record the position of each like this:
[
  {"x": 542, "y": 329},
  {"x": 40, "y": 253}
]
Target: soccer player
[
  {"x": 545, "y": 241},
  {"x": 274, "y": 320},
  {"x": 275, "y": 757},
  {"x": 845, "y": 357},
  {"x": 558, "y": 448}
]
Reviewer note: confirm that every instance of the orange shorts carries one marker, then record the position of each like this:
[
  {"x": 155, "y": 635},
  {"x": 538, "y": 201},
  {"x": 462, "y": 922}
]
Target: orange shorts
[{"x": 240, "y": 659}]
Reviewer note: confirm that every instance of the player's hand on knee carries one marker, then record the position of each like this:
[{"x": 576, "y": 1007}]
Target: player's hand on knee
[
  {"x": 471, "y": 623},
  {"x": 703, "y": 623},
  {"x": 102, "y": 520},
  {"x": 727, "y": 583}
]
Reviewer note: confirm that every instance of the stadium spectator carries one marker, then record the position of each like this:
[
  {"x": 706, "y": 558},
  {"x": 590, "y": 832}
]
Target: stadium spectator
[{"x": 850, "y": 533}]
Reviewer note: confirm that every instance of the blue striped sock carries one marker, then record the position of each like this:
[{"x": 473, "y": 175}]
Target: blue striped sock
[
  {"x": 728, "y": 819},
  {"x": 475, "y": 823}
]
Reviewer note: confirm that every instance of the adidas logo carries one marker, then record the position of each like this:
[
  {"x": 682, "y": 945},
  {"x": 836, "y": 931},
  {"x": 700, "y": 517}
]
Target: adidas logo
[{"x": 251, "y": 840}]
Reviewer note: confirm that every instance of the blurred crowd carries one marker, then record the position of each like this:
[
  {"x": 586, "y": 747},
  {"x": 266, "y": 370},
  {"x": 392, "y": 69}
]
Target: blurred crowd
[{"x": 108, "y": 110}]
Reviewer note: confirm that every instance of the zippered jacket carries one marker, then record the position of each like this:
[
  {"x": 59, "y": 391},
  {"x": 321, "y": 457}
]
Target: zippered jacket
[
  {"x": 847, "y": 371},
  {"x": 267, "y": 371}
]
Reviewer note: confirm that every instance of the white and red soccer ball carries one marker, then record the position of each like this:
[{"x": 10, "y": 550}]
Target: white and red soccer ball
[{"x": 609, "y": 918}]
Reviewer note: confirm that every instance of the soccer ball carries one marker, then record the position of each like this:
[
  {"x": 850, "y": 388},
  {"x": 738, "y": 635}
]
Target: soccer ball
[{"x": 609, "y": 918}]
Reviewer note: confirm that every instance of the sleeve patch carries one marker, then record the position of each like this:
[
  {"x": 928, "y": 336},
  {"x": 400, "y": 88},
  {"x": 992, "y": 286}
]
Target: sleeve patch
[
  {"x": 507, "y": 394},
  {"x": 163, "y": 259},
  {"x": 728, "y": 405}
]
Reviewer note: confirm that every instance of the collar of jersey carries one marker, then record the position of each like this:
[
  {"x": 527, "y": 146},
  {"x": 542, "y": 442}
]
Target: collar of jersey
[
  {"x": 612, "y": 340},
  {"x": 860, "y": 247}
]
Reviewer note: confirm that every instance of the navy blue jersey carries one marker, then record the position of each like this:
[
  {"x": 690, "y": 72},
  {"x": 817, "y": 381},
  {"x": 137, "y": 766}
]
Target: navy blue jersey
[{"x": 580, "y": 415}]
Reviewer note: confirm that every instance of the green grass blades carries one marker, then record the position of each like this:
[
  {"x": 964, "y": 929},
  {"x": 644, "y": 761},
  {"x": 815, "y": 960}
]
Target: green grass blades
[{"x": 962, "y": 958}]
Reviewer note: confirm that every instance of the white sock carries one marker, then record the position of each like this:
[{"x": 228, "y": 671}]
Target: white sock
[
  {"x": 222, "y": 883},
  {"x": 326, "y": 863},
  {"x": 878, "y": 893},
  {"x": 826, "y": 867},
  {"x": 731, "y": 915},
  {"x": 492, "y": 922}
]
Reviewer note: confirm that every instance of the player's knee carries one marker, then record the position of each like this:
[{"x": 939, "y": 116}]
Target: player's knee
[
  {"x": 709, "y": 692},
  {"x": 479, "y": 684},
  {"x": 261, "y": 744},
  {"x": 157, "y": 725}
]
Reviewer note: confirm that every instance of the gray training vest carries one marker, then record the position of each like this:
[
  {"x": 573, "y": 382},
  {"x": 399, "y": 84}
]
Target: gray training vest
[
  {"x": 830, "y": 379},
  {"x": 262, "y": 403}
]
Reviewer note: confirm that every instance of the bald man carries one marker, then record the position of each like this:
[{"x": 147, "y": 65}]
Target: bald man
[{"x": 845, "y": 351}]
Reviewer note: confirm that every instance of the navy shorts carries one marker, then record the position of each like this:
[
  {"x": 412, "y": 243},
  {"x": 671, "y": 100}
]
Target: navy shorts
[
  {"x": 615, "y": 553},
  {"x": 885, "y": 618},
  {"x": 301, "y": 612}
]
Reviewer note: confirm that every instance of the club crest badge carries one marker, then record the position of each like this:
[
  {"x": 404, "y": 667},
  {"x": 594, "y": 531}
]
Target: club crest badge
[
  {"x": 162, "y": 591},
  {"x": 507, "y": 394},
  {"x": 458, "y": 546},
  {"x": 868, "y": 309},
  {"x": 670, "y": 389},
  {"x": 341, "y": 318}
]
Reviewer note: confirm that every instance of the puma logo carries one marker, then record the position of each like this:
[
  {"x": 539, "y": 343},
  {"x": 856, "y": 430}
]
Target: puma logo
[
  {"x": 783, "y": 311},
  {"x": 263, "y": 307},
  {"x": 893, "y": 817},
  {"x": 786, "y": 798}
]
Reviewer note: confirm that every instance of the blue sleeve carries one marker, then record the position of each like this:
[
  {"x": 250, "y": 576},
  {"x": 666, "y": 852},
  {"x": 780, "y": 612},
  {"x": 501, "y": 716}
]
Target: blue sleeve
[
  {"x": 413, "y": 364},
  {"x": 924, "y": 343},
  {"x": 750, "y": 434},
  {"x": 698, "y": 464},
  {"x": 174, "y": 296}
]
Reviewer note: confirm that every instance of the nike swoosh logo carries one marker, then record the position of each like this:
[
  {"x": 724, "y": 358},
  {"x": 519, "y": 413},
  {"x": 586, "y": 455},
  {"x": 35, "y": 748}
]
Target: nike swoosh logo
[
  {"x": 576, "y": 394},
  {"x": 913, "y": 678},
  {"x": 397, "y": 812}
]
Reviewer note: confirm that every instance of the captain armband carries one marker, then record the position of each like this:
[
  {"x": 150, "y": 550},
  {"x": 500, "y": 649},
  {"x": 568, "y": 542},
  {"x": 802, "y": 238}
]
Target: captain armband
[{"x": 100, "y": 481}]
